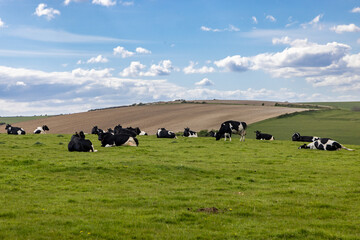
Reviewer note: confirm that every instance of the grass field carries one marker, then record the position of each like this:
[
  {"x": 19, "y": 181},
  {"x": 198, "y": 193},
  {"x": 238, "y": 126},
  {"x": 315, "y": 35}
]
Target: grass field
[
  {"x": 341, "y": 125},
  {"x": 11, "y": 120},
  {"x": 340, "y": 105},
  {"x": 188, "y": 188}
]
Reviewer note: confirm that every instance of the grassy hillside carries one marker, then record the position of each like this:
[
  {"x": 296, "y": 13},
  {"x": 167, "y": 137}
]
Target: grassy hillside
[
  {"x": 341, "y": 125},
  {"x": 11, "y": 120},
  {"x": 341, "y": 105},
  {"x": 189, "y": 188}
]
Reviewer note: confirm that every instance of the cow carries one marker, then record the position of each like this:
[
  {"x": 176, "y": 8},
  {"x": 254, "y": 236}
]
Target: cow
[
  {"x": 14, "y": 130},
  {"x": 78, "y": 143},
  {"x": 229, "y": 127},
  {"x": 297, "y": 137},
  {"x": 189, "y": 133},
  {"x": 264, "y": 136},
  {"x": 110, "y": 140},
  {"x": 163, "y": 133},
  {"x": 119, "y": 130},
  {"x": 41, "y": 130},
  {"x": 96, "y": 130},
  {"x": 325, "y": 144},
  {"x": 138, "y": 131}
]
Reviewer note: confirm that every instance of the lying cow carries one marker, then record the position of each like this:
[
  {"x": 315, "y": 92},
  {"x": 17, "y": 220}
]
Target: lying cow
[
  {"x": 264, "y": 136},
  {"x": 78, "y": 143},
  {"x": 119, "y": 130},
  {"x": 137, "y": 130},
  {"x": 41, "y": 130},
  {"x": 96, "y": 130},
  {"x": 163, "y": 133},
  {"x": 111, "y": 140},
  {"x": 229, "y": 127},
  {"x": 14, "y": 130},
  {"x": 189, "y": 133},
  {"x": 299, "y": 138},
  {"x": 325, "y": 144}
]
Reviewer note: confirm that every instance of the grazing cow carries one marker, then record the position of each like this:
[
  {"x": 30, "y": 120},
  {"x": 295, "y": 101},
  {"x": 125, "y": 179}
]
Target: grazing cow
[
  {"x": 110, "y": 140},
  {"x": 163, "y": 133},
  {"x": 41, "y": 130},
  {"x": 96, "y": 130},
  {"x": 299, "y": 138},
  {"x": 264, "y": 136},
  {"x": 14, "y": 130},
  {"x": 78, "y": 143},
  {"x": 325, "y": 144},
  {"x": 189, "y": 133},
  {"x": 229, "y": 127}
]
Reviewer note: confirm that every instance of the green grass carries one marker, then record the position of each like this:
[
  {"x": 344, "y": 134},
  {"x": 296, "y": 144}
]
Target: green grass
[
  {"x": 341, "y": 125},
  {"x": 262, "y": 190},
  {"x": 11, "y": 120},
  {"x": 341, "y": 105}
]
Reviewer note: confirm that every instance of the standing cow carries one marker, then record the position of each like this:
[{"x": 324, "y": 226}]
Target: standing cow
[
  {"x": 324, "y": 144},
  {"x": 229, "y": 127},
  {"x": 14, "y": 130}
]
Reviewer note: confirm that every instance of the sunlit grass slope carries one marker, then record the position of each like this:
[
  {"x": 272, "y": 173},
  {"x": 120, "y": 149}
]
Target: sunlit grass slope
[{"x": 188, "y": 188}]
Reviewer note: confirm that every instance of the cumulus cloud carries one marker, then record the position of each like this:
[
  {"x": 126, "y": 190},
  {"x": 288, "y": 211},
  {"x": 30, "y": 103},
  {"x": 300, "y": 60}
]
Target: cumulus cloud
[
  {"x": 98, "y": 59},
  {"x": 122, "y": 52},
  {"x": 106, "y": 3},
  {"x": 137, "y": 69},
  {"x": 142, "y": 50},
  {"x": 356, "y": 10},
  {"x": 231, "y": 28},
  {"x": 67, "y": 2},
  {"x": 2, "y": 24},
  {"x": 134, "y": 70},
  {"x": 271, "y": 18},
  {"x": 234, "y": 63},
  {"x": 345, "y": 28},
  {"x": 204, "y": 82},
  {"x": 49, "y": 13},
  {"x": 190, "y": 69}
]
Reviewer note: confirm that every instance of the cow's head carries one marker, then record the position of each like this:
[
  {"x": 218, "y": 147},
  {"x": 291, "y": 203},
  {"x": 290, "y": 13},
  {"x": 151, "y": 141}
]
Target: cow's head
[
  {"x": 257, "y": 132},
  {"x": 82, "y": 135},
  {"x": 296, "y": 136},
  {"x": 45, "y": 128},
  {"x": 8, "y": 126}
]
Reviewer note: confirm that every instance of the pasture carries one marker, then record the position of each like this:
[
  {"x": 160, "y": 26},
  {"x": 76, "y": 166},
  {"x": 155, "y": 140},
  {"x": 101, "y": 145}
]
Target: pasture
[{"x": 185, "y": 188}]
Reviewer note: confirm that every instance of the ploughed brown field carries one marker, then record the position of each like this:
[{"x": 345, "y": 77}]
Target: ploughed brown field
[{"x": 174, "y": 116}]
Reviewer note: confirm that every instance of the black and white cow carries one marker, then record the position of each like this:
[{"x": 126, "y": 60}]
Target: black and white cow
[
  {"x": 111, "y": 140},
  {"x": 96, "y": 130},
  {"x": 229, "y": 127},
  {"x": 78, "y": 143},
  {"x": 41, "y": 130},
  {"x": 119, "y": 130},
  {"x": 324, "y": 144},
  {"x": 264, "y": 136},
  {"x": 189, "y": 133},
  {"x": 297, "y": 137},
  {"x": 137, "y": 130},
  {"x": 14, "y": 130},
  {"x": 163, "y": 133}
]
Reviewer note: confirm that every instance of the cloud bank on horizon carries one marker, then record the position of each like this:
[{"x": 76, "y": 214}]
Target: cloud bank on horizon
[{"x": 77, "y": 55}]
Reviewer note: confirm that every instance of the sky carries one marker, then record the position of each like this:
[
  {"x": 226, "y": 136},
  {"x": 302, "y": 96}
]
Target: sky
[{"x": 67, "y": 56}]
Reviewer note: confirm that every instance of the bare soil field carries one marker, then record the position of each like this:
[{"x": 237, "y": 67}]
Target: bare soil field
[{"x": 174, "y": 116}]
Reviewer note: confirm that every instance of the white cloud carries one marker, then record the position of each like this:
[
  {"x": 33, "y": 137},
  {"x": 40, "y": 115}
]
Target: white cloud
[
  {"x": 49, "y": 13},
  {"x": 315, "y": 22},
  {"x": 98, "y": 59},
  {"x": 134, "y": 70},
  {"x": 123, "y": 52},
  {"x": 142, "y": 50},
  {"x": 20, "y": 83},
  {"x": 106, "y": 3},
  {"x": 283, "y": 40},
  {"x": 271, "y": 18},
  {"x": 67, "y": 2},
  {"x": 254, "y": 19},
  {"x": 126, "y": 3},
  {"x": 234, "y": 63},
  {"x": 204, "y": 82},
  {"x": 2, "y": 24},
  {"x": 356, "y": 10},
  {"x": 231, "y": 28},
  {"x": 345, "y": 28},
  {"x": 190, "y": 69}
]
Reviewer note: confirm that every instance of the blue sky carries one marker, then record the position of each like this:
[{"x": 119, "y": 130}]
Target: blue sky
[{"x": 69, "y": 56}]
